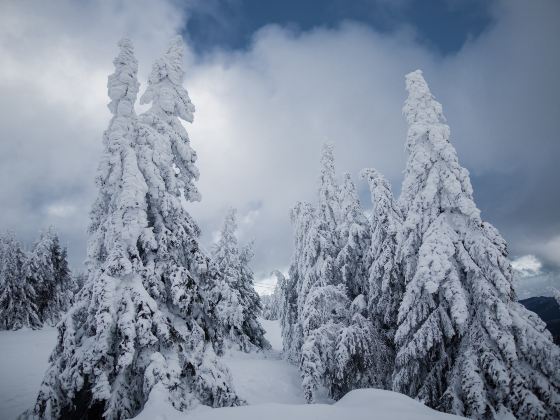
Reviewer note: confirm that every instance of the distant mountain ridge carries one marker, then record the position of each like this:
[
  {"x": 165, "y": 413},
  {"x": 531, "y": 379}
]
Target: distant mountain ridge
[{"x": 548, "y": 309}]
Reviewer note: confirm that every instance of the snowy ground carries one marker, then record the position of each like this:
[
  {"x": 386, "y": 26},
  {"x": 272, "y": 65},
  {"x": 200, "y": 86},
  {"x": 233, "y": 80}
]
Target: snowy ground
[
  {"x": 23, "y": 359},
  {"x": 271, "y": 386},
  {"x": 264, "y": 378}
]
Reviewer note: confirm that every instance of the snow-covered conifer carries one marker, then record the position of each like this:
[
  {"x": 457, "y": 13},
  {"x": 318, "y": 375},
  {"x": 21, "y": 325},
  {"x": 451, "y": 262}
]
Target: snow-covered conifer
[
  {"x": 362, "y": 358},
  {"x": 272, "y": 303},
  {"x": 353, "y": 233},
  {"x": 319, "y": 232},
  {"x": 323, "y": 316},
  {"x": 240, "y": 304},
  {"x": 300, "y": 279},
  {"x": 291, "y": 331},
  {"x": 386, "y": 282},
  {"x": 17, "y": 295},
  {"x": 464, "y": 345},
  {"x": 328, "y": 216},
  {"x": 250, "y": 299},
  {"x": 48, "y": 272},
  {"x": 143, "y": 317}
]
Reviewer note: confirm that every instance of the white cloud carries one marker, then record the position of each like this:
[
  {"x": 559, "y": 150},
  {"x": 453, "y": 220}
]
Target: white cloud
[
  {"x": 266, "y": 285},
  {"x": 527, "y": 265},
  {"x": 61, "y": 210},
  {"x": 550, "y": 249}
]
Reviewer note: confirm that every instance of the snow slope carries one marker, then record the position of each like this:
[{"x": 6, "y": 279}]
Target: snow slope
[
  {"x": 23, "y": 360},
  {"x": 264, "y": 377}
]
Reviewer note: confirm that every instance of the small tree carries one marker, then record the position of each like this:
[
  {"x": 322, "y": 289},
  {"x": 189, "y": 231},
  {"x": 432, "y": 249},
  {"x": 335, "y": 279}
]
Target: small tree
[
  {"x": 17, "y": 295},
  {"x": 49, "y": 273},
  {"x": 240, "y": 304},
  {"x": 272, "y": 304}
]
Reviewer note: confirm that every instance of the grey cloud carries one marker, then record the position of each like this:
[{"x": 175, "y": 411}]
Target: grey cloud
[{"x": 262, "y": 115}]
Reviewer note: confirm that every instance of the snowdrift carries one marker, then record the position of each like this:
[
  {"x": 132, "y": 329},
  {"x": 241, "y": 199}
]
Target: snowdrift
[{"x": 361, "y": 404}]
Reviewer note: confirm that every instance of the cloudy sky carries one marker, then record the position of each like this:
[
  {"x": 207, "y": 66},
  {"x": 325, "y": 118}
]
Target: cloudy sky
[{"x": 272, "y": 81}]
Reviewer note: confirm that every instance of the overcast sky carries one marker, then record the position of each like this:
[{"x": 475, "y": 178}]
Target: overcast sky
[{"x": 272, "y": 81}]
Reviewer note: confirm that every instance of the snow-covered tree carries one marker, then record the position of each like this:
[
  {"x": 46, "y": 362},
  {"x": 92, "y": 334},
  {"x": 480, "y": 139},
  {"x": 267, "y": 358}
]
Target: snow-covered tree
[
  {"x": 323, "y": 316},
  {"x": 464, "y": 345},
  {"x": 290, "y": 329},
  {"x": 362, "y": 358},
  {"x": 327, "y": 243},
  {"x": 317, "y": 237},
  {"x": 353, "y": 233},
  {"x": 17, "y": 295},
  {"x": 48, "y": 272},
  {"x": 299, "y": 280},
  {"x": 272, "y": 303},
  {"x": 240, "y": 304},
  {"x": 144, "y": 316},
  {"x": 80, "y": 278},
  {"x": 386, "y": 282}
]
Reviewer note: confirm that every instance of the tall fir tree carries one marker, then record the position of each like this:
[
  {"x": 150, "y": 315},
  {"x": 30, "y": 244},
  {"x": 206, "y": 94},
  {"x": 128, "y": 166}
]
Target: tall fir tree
[
  {"x": 17, "y": 294},
  {"x": 464, "y": 344},
  {"x": 386, "y": 282},
  {"x": 299, "y": 280},
  {"x": 319, "y": 234},
  {"x": 143, "y": 319},
  {"x": 50, "y": 276},
  {"x": 353, "y": 233},
  {"x": 250, "y": 299},
  {"x": 328, "y": 218},
  {"x": 240, "y": 304}
]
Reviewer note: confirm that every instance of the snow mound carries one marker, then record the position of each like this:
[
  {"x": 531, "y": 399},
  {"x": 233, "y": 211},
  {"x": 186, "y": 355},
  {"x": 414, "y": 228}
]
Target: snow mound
[{"x": 366, "y": 404}]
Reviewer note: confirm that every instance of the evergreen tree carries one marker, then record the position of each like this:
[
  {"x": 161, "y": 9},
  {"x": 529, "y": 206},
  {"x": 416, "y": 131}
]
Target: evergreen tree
[
  {"x": 386, "y": 282},
  {"x": 291, "y": 332},
  {"x": 144, "y": 317},
  {"x": 362, "y": 358},
  {"x": 299, "y": 281},
  {"x": 17, "y": 295},
  {"x": 250, "y": 300},
  {"x": 327, "y": 243},
  {"x": 49, "y": 273},
  {"x": 272, "y": 303},
  {"x": 353, "y": 235},
  {"x": 337, "y": 350},
  {"x": 319, "y": 244},
  {"x": 464, "y": 344},
  {"x": 240, "y": 304},
  {"x": 324, "y": 315}
]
